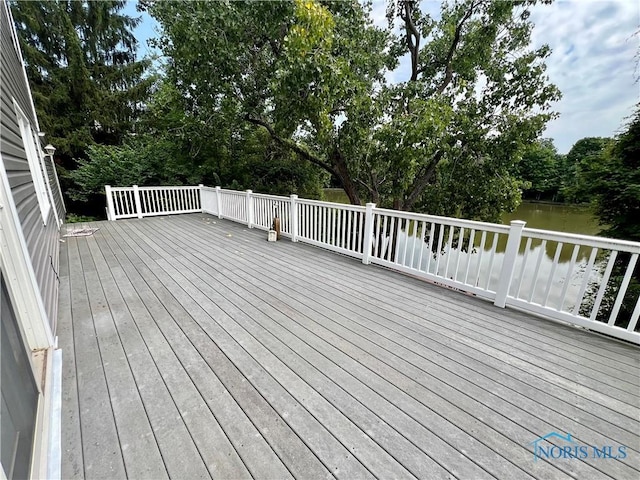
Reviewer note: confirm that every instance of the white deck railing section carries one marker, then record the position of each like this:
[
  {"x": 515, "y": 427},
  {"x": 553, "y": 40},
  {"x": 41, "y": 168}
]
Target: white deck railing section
[
  {"x": 130, "y": 202},
  {"x": 556, "y": 275}
]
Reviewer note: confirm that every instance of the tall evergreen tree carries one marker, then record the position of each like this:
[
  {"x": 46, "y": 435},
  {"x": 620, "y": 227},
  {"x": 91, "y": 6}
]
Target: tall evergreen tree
[{"x": 81, "y": 62}]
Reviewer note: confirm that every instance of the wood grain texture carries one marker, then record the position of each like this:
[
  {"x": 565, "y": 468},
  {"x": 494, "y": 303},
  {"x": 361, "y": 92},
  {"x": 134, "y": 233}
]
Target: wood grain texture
[{"x": 229, "y": 356}]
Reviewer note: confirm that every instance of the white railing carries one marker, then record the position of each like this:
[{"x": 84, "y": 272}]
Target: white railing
[
  {"x": 556, "y": 275},
  {"x": 130, "y": 202}
]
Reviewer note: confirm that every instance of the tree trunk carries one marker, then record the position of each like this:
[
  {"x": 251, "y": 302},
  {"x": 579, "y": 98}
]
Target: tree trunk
[{"x": 342, "y": 172}]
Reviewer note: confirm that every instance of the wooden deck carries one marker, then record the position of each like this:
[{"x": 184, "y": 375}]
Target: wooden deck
[{"x": 193, "y": 348}]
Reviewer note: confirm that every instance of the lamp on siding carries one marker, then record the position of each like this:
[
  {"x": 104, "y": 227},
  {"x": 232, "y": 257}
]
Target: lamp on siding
[{"x": 50, "y": 149}]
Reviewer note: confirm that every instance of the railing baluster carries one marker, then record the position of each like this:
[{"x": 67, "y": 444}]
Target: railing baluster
[
  {"x": 483, "y": 240},
  {"x": 567, "y": 277},
  {"x": 623, "y": 289},
  {"x": 353, "y": 241},
  {"x": 460, "y": 246},
  {"x": 423, "y": 229},
  {"x": 414, "y": 237},
  {"x": 450, "y": 235},
  {"x": 439, "y": 252},
  {"x": 634, "y": 317},
  {"x": 383, "y": 238},
  {"x": 316, "y": 223},
  {"x": 343, "y": 214},
  {"x": 120, "y": 204},
  {"x": 334, "y": 229},
  {"x": 432, "y": 230},
  {"x": 360, "y": 240},
  {"x": 350, "y": 219},
  {"x": 494, "y": 246},
  {"x": 472, "y": 238},
  {"x": 552, "y": 273},
  {"x": 534, "y": 280},
  {"x": 392, "y": 247},
  {"x": 585, "y": 281},
  {"x": 523, "y": 266},
  {"x": 603, "y": 285}
]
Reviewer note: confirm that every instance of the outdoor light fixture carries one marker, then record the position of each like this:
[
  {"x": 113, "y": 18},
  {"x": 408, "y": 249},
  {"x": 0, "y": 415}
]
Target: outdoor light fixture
[{"x": 50, "y": 149}]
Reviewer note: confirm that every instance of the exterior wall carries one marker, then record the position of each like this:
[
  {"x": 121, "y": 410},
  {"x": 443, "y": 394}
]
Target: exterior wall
[
  {"x": 58, "y": 202},
  {"x": 42, "y": 240}
]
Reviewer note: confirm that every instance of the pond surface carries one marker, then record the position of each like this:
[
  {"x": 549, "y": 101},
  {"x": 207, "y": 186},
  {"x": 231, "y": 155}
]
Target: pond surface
[
  {"x": 541, "y": 282},
  {"x": 558, "y": 217}
]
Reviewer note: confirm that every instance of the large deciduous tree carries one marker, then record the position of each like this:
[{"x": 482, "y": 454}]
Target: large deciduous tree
[
  {"x": 612, "y": 182},
  {"x": 313, "y": 75}
]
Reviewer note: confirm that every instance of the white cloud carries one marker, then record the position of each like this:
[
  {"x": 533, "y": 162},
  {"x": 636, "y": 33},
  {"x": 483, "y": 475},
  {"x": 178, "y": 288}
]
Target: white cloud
[
  {"x": 593, "y": 63},
  {"x": 594, "y": 44}
]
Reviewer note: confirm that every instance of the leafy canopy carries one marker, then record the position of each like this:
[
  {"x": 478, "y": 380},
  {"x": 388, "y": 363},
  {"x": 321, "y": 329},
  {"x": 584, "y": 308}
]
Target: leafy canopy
[
  {"x": 81, "y": 63},
  {"x": 313, "y": 75}
]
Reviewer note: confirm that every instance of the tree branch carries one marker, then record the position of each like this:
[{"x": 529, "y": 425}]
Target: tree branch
[
  {"x": 448, "y": 72},
  {"x": 413, "y": 38},
  {"x": 421, "y": 181},
  {"x": 304, "y": 153}
]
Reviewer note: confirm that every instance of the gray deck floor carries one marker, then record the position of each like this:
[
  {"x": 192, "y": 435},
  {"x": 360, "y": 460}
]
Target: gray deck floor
[{"x": 193, "y": 348}]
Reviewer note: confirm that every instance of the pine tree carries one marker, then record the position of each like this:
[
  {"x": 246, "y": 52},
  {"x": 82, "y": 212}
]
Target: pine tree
[{"x": 81, "y": 62}]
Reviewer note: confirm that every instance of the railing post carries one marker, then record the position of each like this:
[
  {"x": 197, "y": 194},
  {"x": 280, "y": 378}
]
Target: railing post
[
  {"x": 509, "y": 262},
  {"x": 368, "y": 233},
  {"x": 111, "y": 211},
  {"x": 136, "y": 196},
  {"x": 218, "y": 202},
  {"x": 293, "y": 221},
  {"x": 249, "y": 209},
  {"x": 200, "y": 187}
]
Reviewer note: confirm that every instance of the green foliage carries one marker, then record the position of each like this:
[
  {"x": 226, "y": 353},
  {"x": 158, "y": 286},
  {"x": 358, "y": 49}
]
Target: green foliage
[
  {"x": 73, "y": 218},
  {"x": 612, "y": 180},
  {"x": 583, "y": 156},
  {"x": 312, "y": 75},
  {"x": 539, "y": 168},
  {"x": 140, "y": 160},
  {"x": 80, "y": 58}
]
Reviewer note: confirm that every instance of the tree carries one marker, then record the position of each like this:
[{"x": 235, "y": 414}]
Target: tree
[
  {"x": 312, "y": 75},
  {"x": 81, "y": 64},
  {"x": 539, "y": 167},
  {"x": 613, "y": 183},
  {"x": 585, "y": 152}
]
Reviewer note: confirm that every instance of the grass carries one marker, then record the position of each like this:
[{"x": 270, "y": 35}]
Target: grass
[{"x": 73, "y": 218}]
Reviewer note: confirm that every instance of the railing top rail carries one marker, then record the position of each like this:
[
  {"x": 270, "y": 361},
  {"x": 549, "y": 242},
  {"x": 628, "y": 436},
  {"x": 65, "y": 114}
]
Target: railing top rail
[
  {"x": 586, "y": 240},
  {"x": 457, "y": 222},
  {"x": 271, "y": 197},
  {"x": 165, "y": 187},
  {"x": 343, "y": 206},
  {"x": 172, "y": 187},
  {"x": 233, "y": 192}
]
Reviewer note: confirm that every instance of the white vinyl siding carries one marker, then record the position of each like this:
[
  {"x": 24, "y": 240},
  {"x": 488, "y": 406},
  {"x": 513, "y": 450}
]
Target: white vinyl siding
[{"x": 35, "y": 164}]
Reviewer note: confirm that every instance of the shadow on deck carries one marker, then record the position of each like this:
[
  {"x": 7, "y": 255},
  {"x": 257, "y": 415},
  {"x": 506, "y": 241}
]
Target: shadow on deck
[{"x": 193, "y": 348}]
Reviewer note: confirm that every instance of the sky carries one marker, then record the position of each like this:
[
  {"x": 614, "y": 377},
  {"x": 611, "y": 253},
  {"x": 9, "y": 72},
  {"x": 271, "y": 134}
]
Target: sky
[{"x": 595, "y": 44}]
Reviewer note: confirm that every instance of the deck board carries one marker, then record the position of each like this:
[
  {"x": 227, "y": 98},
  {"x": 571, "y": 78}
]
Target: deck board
[{"x": 221, "y": 355}]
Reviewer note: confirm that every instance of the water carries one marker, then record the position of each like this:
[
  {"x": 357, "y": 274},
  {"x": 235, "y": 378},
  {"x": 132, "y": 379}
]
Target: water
[
  {"x": 558, "y": 217},
  {"x": 545, "y": 216},
  {"x": 540, "y": 283}
]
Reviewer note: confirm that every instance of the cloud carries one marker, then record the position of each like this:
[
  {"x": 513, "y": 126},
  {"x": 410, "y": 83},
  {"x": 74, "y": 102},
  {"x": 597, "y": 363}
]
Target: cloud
[
  {"x": 594, "y": 46},
  {"x": 593, "y": 63}
]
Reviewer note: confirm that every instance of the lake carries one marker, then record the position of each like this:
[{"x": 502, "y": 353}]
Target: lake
[
  {"x": 546, "y": 216},
  {"x": 557, "y": 217}
]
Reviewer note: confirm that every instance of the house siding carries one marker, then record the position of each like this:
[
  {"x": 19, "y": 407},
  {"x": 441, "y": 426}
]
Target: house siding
[
  {"x": 42, "y": 240},
  {"x": 58, "y": 203}
]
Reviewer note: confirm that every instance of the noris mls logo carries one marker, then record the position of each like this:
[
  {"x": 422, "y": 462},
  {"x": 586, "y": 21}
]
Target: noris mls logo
[{"x": 565, "y": 446}]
